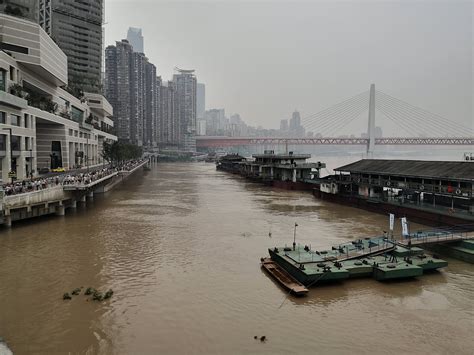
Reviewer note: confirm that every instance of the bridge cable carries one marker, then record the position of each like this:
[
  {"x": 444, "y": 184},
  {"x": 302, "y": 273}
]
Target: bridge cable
[
  {"x": 328, "y": 117},
  {"x": 339, "y": 103},
  {"x": 403, "y": 118},
  {"x": 434, "y": 116},
  {"x": 338, "y": 117},
  {"x": 386, "y": 115},
  {"x": 403, "y": 111},
  {"x": 411, "y": 124},
  {"x": 425, "y": 115},
  {"x": 348, "y": 121},
  {"x": 381, "y": 108}
]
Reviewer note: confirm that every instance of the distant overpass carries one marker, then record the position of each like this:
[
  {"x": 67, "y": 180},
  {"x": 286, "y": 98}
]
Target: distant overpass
[{"x": 224, "y": 142}]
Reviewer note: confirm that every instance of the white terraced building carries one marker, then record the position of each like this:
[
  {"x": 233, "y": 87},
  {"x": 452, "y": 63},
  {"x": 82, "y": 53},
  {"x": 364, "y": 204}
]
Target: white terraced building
[{"x": 41, "y": 124}]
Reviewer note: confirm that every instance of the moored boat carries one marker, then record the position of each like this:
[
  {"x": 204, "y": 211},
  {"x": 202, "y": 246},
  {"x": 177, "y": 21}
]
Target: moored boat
[{"x": 285, "y": 279}]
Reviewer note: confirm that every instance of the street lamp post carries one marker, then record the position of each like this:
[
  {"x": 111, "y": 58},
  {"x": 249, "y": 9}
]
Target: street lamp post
[
  {"x": 11, "y": 151},
  {"x": 87, "y": 153},
  {"x": 31, "y": 164}
]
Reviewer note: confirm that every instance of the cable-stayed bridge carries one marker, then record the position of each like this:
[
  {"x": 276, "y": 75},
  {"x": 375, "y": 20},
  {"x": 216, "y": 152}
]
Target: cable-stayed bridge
[{"x": 417, "y": 126}]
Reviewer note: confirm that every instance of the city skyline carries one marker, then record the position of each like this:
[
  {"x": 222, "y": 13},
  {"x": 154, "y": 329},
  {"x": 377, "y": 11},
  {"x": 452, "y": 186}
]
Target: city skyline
[{"x": 324, "y": 74}]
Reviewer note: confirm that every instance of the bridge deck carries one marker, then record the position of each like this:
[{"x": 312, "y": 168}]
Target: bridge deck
[{"x": 437, "y": 238}]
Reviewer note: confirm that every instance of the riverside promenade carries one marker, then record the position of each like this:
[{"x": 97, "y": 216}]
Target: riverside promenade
[{"x": 55, "y": 194}]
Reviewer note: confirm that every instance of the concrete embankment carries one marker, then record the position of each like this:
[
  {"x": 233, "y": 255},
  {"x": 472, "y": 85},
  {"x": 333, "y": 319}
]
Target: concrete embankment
[{"x": 56, "y": 199}]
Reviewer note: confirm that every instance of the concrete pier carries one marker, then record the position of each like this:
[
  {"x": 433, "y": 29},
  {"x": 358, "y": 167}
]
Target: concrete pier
[
  {"x": 60, "y": 210},
  {"x": 8, "y": 221},
  {"x": 55, "y": 199}
]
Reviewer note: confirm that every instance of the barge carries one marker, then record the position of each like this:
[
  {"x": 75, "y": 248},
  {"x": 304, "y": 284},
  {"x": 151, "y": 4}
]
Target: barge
[
  {"x": 285, "y": 279},
  {"x": 288, "y": 171},
  {"x": 378, "y": 257},
  {"x": 438, "y": 193}
]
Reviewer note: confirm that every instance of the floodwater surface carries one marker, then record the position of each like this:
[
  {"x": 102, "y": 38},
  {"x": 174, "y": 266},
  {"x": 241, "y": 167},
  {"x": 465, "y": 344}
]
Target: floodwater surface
[{"x": 180, "y": 245}]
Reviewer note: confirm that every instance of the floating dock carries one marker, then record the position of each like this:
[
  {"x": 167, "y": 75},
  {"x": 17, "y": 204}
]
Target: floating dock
[{"x": 377, "y": 257}]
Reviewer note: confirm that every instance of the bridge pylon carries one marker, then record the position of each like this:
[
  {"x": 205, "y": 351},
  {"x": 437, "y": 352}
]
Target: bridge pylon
[{"x": 371, "y": 127}]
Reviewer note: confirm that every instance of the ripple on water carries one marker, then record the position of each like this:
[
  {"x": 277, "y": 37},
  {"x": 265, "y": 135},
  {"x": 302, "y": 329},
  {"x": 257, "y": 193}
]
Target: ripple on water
[{"x": 180, "y": 247}]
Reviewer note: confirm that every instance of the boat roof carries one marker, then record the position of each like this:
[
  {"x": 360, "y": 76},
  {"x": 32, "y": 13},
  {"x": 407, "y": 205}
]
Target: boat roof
[{"x": 448, "y": 170}]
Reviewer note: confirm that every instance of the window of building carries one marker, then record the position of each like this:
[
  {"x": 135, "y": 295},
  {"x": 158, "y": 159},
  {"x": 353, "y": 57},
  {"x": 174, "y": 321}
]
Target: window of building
[
  {"x": 15, "y": 120},
  {"x": 27, "y": 120},
  {"x": 75, "y": 133},
  {"x": 77, "y": 115},
  {"x": 16, "y": 142},
  {"x": 70, "y": 132},
  {"x": 3, "y": 80},
  {"x": 12, "y": 73},
  {"x": 3, "y": 142},
  {"x": 3, "y": 116}
]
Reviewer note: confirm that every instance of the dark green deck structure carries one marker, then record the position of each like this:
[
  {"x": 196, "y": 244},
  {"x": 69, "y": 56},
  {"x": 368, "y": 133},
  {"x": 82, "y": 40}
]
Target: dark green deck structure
[{"x": 377, "y": 257}]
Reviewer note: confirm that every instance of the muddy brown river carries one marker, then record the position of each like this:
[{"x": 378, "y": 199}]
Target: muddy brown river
[{"x": 180, "y": 246}]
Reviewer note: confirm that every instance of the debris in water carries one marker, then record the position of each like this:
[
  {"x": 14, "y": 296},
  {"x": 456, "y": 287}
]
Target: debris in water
[
  {"x": 255, "y": 337},
  {"x": 76, "y": 291},
  {"x": 89, "y": 291},
  {"x": 97, "y": 296},
  {"x": 108, "y": 294},
  {"x": 263, "y": 338},
  {"x": 66, "y": 296}
]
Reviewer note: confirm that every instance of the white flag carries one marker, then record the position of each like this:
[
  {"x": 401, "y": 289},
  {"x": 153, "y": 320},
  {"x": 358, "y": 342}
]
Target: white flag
[
  {"x": 404, "y": 227},
  {"x": 392, "y": 221}
]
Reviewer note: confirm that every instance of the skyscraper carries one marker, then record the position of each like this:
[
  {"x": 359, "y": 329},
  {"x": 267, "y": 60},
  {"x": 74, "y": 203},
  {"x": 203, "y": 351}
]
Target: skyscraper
[
  {"x": 200, "y": 100},
  {"x": 284, "y": 125},
  {"x": 185, "y": 83},
  {"x": 296, "y": 129},
  {"x": 76, "y": 26},
  {"x": 135, "y": 38},
  {"x": 21, "y": 8},
  {"x": 168, "y": 126},
  {"x": 132, "y": 89},
  {"x": 150, "y": 135},
  {"x": 118, "y": 60}
]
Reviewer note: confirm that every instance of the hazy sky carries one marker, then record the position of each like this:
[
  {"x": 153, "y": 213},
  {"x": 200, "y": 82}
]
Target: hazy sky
[{"x": 264, "y": 59}]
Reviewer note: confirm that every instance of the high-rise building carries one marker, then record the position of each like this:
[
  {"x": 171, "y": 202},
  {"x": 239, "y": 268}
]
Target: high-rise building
[
  {"x": 284, "y": 125},
  {"x": 132, "y": 89},
  {"x": 150, "y": 135},
  {"x": 216, "y": 122},
  {"x": 137, "y": 97},
  {"x": 135, "y": 38},
  {"x": 76, "y": 26},
  {"x": 185, "y": 83},
  {"x": 27, "y": 9},
  {"x": 118, "y": 61},
  {"x": 296, "y": 129},
  {"x": 52, "y": 128},
  {"x": 168, "y": 126},
  {"x": 295, "y": 121},
  {"x": 200, "y": 100}
]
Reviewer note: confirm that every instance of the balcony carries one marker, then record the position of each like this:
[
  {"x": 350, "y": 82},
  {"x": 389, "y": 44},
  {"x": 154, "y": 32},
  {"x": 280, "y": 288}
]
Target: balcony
[{"x": 13, "y": 101}]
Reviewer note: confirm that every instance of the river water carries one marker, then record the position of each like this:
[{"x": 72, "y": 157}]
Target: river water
[{"x": 180, "y": 246}]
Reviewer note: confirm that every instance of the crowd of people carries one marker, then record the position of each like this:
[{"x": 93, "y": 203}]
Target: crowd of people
[
  {"x": 30, "y": 185},
  {"x": 77, "y": 178}
]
